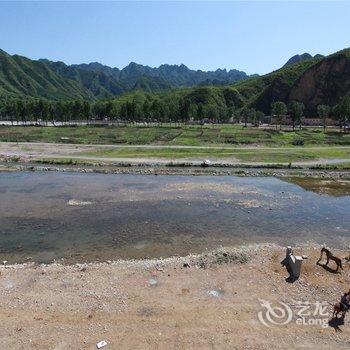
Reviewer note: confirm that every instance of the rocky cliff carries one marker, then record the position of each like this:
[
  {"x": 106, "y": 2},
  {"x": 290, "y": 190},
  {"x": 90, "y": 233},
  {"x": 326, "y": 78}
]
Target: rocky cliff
[
  {"x": 323, "y": 83},
  {"x": 315, "y": 81}
]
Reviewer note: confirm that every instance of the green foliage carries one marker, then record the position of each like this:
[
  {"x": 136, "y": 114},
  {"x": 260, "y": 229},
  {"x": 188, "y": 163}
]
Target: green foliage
[
  {"x": 248, "y": 114},
  {"x": 278, "y": 108},
  {"x": 44, "y": 90},
  {"x": 179, "y": 134},
  {"x": 20, "y": 76},
  {"x": 295, "y": 110},
  {"x": 299, "y": 58},
  {"x": 256, "y": 92},
  {"x": 323, "y": 111},
  {"x": 341, "y": 111}
]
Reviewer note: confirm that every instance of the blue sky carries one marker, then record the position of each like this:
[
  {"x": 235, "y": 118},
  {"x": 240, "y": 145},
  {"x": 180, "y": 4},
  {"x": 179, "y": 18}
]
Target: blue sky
[{"x": 256, "y": 37}]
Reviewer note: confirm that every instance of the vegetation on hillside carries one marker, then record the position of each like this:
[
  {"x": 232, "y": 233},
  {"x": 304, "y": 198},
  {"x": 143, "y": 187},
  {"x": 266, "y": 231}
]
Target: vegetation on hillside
[
  {"x": 44, "y": 90},
  {"x": 21, "y": 77}
]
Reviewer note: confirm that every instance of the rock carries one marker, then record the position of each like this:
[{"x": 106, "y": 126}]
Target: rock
[
  {"x": 76, "y": 202},
  {"x": 216, "y": 293},
  {"x": 101, "y": 344},
  {"x": 206, "y": 163},
  {"x": 152, "y": 282}
]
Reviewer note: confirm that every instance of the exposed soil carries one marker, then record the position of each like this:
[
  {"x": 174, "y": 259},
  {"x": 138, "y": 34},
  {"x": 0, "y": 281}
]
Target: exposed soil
[
  {"x": 195, "y": 302},
  {"x": 56, "y": 157},
  {"x": 31, "y": 151}
]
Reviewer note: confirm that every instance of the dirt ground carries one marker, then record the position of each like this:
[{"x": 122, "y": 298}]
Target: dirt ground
[
  {"x": 196, "y": 302},
  {"x": 37, "y": 150}
]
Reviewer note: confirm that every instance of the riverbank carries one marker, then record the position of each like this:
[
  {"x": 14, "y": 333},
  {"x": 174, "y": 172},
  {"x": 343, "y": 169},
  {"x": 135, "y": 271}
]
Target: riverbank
[
  {"x": 333, "y": 172},
  {"x": 218, "y": 155},
  {"x": 194, "y": 302},
  {"x": 330, "y": 162}
]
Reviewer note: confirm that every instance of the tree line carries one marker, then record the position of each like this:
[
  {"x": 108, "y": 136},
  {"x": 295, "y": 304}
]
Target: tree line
[
  {"x": 156, "y": 109},
  {"x": 340, "y": 112}
]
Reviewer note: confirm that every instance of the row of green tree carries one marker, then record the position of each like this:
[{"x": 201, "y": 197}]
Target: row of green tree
[
  {"x": 154, "y": 110},
  {"x": 340, "y": 112},
  {"x": 218, "y": 106}
]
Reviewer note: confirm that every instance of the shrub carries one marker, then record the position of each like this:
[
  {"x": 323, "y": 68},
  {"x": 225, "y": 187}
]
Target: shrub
[{"x": 298, "y": 142}]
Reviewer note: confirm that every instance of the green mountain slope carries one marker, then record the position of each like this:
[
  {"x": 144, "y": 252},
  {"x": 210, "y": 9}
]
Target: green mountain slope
[
  {"x": 315, "y": 81},
  {"x": 20, "y": 76},
  {"x": 324, "y": 83},
  {"x": 259, "y": 91},
  {"x": 319, "y": 80},
  {"x": 303, "y": 57}
]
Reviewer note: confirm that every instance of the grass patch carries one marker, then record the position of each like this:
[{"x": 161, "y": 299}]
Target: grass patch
[
  {"x": 272, "y": 155},
  {"x": 172, "y": 135}
]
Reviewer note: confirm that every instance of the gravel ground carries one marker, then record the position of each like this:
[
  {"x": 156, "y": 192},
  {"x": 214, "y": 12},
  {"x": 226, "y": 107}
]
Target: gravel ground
[
  {"x": 142, "y": 169},
  {"x": 206, "y": 301}
]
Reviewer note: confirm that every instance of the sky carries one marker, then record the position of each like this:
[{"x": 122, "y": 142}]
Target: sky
[{"x": 256, "y": 37}]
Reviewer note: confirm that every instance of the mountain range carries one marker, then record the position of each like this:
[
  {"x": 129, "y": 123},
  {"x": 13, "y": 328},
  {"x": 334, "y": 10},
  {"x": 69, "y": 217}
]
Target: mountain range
[
  {"x": 20, "y": 76},
  {"x": 313, "y": 80}
]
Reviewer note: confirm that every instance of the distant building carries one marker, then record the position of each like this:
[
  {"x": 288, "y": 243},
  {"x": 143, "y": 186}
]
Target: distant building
[
  {"x": 318, "y": 122},
  {"x": 287, "y": 120},
  {"x": 205, "y": 121}
]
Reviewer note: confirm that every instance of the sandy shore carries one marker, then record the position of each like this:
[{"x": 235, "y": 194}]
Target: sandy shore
[{"x": 195, "y": 302}]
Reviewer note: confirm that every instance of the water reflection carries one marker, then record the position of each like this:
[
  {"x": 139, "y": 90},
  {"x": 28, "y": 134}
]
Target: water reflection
[{"x": 339, "y": 187}]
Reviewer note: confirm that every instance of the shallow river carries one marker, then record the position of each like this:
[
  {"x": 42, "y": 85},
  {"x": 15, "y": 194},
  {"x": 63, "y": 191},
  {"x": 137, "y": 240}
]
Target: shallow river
[{"x": 88, "y": 217}]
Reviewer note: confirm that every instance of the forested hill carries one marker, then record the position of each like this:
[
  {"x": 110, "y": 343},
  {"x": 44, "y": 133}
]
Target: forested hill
[
  {"x": 314, "y": 81},
  {"x": 168, "y": 92},
  {"x": 20, "y": 76}
]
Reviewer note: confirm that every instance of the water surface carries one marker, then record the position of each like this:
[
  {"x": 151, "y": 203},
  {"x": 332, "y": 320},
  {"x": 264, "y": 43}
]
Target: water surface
[{"x": 88, "y": 217}]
